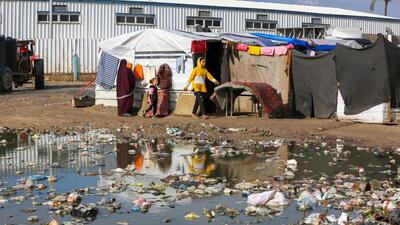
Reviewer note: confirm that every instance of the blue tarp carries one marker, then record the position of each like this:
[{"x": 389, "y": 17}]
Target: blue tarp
[
  {"x": 293, "y": 41},
  {"x": 248, "y": 39},
  {"x": 297, "y": 42},
  {"x": 323, "y": 48}
]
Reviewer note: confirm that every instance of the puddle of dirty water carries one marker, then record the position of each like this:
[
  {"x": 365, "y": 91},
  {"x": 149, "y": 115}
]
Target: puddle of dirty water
[{"x": 75, "y": 170}]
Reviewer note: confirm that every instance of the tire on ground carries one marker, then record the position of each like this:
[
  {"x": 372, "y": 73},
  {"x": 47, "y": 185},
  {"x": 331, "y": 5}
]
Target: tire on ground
[
  {"x": 39, "y": 74},
  {"x": 6, "y": 79}
]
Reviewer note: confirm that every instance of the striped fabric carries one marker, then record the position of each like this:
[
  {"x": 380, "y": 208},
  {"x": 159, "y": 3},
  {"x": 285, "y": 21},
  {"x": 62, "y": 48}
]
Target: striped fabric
[{"x": 107, "y": 70}]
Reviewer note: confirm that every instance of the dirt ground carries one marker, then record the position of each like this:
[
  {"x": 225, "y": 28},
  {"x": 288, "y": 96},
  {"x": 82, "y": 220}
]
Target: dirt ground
[{"x": 51, "y": 109}]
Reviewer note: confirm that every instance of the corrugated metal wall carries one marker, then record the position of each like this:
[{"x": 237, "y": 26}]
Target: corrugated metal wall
[
  {"x": 98, "y": 22},
  {"x": 58, "y": 54}
]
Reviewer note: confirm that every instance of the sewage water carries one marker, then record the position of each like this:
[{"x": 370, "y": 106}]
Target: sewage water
[{"x": 77, "y": 171}]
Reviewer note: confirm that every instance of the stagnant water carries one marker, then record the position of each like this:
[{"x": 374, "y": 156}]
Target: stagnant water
[{"x": 74, "y": 171}]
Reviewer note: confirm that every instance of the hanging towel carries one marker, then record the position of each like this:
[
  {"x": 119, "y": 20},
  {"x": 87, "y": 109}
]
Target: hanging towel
[
  {"x": 138, "y": 72},
  {"x": 149, "y": 72},
  {"x": 242, "y": 47},
  {"x": 281, "y": 50},
  {"x": 180, "y": 64},
  {"x": 199, "y": 46},
  {"x": 107, "y": 70},
  {"x": 254, "y": 50},
  {"x": 269, "y": 51}
]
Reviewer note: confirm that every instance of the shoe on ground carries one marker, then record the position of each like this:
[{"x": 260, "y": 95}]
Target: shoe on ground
[
  {"x": 204, "y": 117},
  {"x": 126, "y": 115},
  {"x": 195, "y": 116}
]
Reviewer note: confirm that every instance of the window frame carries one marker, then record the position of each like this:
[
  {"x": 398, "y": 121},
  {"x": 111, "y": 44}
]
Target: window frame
[
  {"x": 208, "y": 13},
  {"x": 60, "y": 11},
  {"x": 204, "y": 19},
  {"x": 271, "y": 23},
  {"x": 316, "y": 18},
  {"x": 145, "y": 17},
  {"x": 57, "y": 17},
  {"x": 136, "y": 8}
]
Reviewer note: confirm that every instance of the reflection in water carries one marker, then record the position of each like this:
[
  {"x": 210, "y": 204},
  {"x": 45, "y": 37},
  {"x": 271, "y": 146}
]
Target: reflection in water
[{"x": 155, "y": 158}]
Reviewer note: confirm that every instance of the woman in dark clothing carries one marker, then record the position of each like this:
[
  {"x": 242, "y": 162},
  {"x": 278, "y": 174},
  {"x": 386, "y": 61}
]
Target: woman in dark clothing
[
  {"x": 164, "y": 78},
  {"x": 125, "y": 86}
]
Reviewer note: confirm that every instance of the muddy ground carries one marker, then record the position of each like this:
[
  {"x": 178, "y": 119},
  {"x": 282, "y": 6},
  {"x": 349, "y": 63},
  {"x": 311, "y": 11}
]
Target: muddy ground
[{"x": 51, "y": 109}]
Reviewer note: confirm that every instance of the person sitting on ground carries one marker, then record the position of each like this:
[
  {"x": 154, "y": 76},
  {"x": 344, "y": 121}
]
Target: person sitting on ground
[
  {"x": 152, "y": 99},
  {"x": 198, "y": 80}
]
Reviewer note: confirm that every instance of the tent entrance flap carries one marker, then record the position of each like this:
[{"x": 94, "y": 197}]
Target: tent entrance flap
[{"x": 213, "y": 65}]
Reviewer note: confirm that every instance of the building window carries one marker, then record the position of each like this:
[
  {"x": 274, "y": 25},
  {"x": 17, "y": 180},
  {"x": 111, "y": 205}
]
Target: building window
[
  {"x": 210, "y": 22},
  {"x": 58, "y": 17},
  {"x": 135, "y": 19},
  {"x": 261, "y": 24},
  {"x": 204, "y": 13},
  {"x": 59, "y": 8},
  {"x": 43, "y": 17},
  {"x": 262, "y": 17},
  {"x": 316, "y": 20},
  {"x": 135, "y": 10}
]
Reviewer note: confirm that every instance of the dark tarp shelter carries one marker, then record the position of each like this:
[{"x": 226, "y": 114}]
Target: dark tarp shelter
[
  {"x": 315, "y": 86},
  {"x": 368, "y": 77}
]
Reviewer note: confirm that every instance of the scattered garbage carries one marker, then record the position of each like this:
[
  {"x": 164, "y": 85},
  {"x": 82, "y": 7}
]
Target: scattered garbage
[
  {"x": 152, "y": 174},
  {"x": 88, "y": 212},
  {"x": 191, "y": 216}
]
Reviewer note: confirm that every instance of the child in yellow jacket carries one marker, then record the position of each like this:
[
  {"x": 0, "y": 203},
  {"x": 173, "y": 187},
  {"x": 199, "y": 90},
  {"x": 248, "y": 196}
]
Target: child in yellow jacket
[{"x": 198, "y": 80}]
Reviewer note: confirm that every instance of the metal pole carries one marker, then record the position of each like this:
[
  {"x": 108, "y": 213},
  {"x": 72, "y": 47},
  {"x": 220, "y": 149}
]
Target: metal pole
[{"x": 51, "y": 19}]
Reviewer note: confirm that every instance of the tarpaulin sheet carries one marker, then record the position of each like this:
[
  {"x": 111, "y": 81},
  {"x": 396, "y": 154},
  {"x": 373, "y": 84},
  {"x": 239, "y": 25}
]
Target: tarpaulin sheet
[
  {"x": 265, "y": 94},
  {"x": 393, "y": 62},
  {"x": 293, "y": 41},
  {"x": 262, "y": 69},
  {"x": 315, "y": 86},
  {"x": 363, "y": 76},
  {"x": 247, "y": 39}
]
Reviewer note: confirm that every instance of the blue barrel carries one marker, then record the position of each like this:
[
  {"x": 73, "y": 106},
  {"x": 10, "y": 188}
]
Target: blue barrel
[{"x": 75, "y": 66}]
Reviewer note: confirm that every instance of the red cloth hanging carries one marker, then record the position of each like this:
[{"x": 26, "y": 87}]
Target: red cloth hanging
[{"x": 199, "y": 46}]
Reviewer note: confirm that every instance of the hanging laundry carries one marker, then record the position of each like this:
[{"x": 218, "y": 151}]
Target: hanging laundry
[
  {"x": 107, "y": 70},
  {"x": 268, "y": 51},
  {"x": 281, "y": 50},
  {"x": 138, "y": 72},
  {"x": 129, "y": 66},
  {"x": 149, "y": 72},
  {"x": 242, "y": 47},
  {"x": 180, "y": 64},
  {"x": 199, "y": 46},
  {"x": 254, "y": 50}
]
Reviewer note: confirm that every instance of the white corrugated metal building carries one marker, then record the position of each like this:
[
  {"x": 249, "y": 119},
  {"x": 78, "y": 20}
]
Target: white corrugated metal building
[{"x": 79, "y": 25}]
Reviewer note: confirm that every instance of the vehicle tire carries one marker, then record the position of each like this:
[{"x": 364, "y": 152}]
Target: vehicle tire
[
  {"x": 6, "y": 79},
  {"x": 39, "y": 74}
]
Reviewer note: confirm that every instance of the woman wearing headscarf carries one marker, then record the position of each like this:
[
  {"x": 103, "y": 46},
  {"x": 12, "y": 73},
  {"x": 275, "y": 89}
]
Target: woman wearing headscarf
[
  {"x": 125, "y": 86},
  {"x": 198, "y": 81},
  {"x": 164, "y": 79}
]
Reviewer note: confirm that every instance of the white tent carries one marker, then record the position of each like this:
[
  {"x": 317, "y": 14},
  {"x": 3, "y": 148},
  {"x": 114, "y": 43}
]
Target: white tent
[{"x": 151, "y": 48}]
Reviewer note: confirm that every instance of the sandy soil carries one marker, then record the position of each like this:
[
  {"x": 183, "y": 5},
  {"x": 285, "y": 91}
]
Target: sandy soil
[{"x": 51, "y": 109}]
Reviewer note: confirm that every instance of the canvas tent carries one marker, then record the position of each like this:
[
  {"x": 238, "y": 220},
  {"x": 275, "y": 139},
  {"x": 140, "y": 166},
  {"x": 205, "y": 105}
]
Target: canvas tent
[
  {"x": 261, "y": 69},
  {"x": 151, "y": 48},
  {"x": 314, "y": 82},
  {"x": 359, "y": 71}
]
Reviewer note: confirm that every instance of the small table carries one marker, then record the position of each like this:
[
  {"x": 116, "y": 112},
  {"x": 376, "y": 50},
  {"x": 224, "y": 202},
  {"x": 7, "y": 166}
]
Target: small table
[{"x": 254, "y": 105}]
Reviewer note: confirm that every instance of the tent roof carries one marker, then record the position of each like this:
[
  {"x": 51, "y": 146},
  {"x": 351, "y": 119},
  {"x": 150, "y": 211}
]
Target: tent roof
[
  {"x": 247, "y": 39},
  {"x": 268, "y": 6},
  {"x": 147, "y": 41}
]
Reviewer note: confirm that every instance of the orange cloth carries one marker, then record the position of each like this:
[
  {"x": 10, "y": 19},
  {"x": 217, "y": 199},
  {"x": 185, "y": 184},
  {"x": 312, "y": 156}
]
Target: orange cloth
[
  {"x": 138, "y": 161},
  {"x": 129, "y": 66},
  {"x": 138, "y": 72}
]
